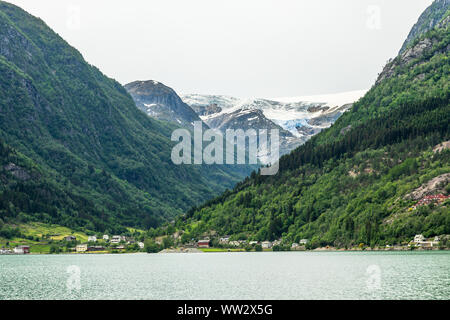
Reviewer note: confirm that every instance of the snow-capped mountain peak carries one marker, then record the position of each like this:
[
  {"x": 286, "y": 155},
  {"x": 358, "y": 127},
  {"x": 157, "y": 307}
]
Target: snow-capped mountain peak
[{"x": 299, "y": 118}]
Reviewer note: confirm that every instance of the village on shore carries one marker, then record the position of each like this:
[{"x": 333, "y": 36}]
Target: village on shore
[
  {"x": 70, "y": 244},
  {"x": 123, "y": 244},
  {"x": 171, "y": 241},
  {"x": 419, "y": 242}
]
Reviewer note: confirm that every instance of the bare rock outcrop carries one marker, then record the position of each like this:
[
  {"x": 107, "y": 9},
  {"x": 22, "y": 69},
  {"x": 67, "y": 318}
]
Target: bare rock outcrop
[
  {"x": 435, "y": 185},
  {"x": 17, "y": 171},
  {"x": 441, "y": 146}
]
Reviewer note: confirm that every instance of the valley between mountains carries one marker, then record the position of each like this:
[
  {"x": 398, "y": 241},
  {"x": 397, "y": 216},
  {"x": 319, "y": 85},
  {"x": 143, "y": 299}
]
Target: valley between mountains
[{"x": 82, "y": 155}]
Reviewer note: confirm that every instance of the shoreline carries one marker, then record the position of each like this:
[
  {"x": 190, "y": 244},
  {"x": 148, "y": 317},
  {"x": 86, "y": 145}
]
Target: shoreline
[
  {"x": 240, "y": 250},
  {"x": 321, "y": 249},
  {"x": 174, "y": 251}
]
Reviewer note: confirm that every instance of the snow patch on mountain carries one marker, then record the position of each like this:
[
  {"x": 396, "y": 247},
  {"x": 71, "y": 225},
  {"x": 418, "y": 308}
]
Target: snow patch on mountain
[
  {"x": 299, "y": 117},
  {"x": 330, "y": 100}
]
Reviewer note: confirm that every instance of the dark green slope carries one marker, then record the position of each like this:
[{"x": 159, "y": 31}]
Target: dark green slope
[
  {"x": 351, "y": 183},
  {"x": 87, "y": 137}
]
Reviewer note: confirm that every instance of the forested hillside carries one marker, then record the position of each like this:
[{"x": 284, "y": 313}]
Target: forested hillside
[
  {"x": 75, "y": 150},
  {"x": 354, "y": 183}
]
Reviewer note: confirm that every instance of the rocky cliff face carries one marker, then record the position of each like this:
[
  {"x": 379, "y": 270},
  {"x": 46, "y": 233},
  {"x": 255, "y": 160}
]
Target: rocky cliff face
[
  {"x": 207, "y": 110},
  {"x": 416, "y": 49},
  {"x": 427, "y": 21},
  {"x": 246, "y": 119},
  {"x": 161, "y": 102}
]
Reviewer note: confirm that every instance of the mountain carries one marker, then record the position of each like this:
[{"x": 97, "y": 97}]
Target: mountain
[
  {"x": 75, "y": 149},
  {"x": 161, "y": 102},
  {"x": 427, "y": 21},
  {"x": 246, "y": 119},
  {"x": 298, "y": 119},
  {"x": 365, "y": 180}
]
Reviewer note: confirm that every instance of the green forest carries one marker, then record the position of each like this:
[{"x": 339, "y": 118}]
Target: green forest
[
  {"x": 75, "y": 150},
  {"x": 349, "y": 184}
]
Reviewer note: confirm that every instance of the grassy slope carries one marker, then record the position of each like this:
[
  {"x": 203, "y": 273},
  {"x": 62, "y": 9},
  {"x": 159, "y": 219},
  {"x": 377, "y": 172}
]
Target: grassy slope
[{"x": 39, "y": 236}]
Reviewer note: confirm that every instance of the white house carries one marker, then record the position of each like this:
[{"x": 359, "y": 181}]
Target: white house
[
  {"x": 295, "y": 245},
  {"x": 81, "y": 248},
  {"x": 141, "y": 245},
  {"x": 224, "y": 239},
  {"x": 276, "y": 242},
  {"x": 116, "y": 239},
  {"x": 105, "y": 237},
  {"x": 92, "y": 239},
  {"x": 253, "y": 243},
  {"x": 304, "y": 241},
  {"x": 266, "y": 245},
  {"x": 18, "y": 250},
  {"x": 421, "y": 241},
  {"x": 235, "y": 243},
  {"x": 22, "y": 250}
]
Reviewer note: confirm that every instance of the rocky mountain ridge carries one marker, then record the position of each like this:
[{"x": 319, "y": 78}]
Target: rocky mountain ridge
[
  {"x": 297, "y": 121},
  {"x": 161, "y": 102},
  {"x": 427, "y": 21}
]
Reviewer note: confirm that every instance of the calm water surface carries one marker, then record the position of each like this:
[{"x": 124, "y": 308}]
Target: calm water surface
[{"x": 277, "y": 275}]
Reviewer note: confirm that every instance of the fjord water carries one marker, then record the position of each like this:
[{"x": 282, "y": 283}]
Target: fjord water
[{"x": 268, "y": 275}]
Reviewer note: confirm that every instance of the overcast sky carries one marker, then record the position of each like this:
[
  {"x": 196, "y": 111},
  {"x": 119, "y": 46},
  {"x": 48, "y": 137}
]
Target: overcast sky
[{"x": 245, "y": 48}]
